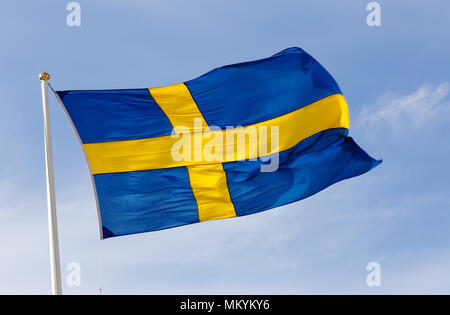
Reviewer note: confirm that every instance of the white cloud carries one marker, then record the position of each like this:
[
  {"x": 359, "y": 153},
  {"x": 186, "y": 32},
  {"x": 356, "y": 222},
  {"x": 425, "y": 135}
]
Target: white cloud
[{"x": 412, "y": 111}]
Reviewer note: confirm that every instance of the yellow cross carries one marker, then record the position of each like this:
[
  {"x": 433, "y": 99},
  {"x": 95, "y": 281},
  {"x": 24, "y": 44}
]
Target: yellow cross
[{"x": 208, "y": 178}]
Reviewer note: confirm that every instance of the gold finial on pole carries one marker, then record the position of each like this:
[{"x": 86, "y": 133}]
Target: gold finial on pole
[{"x": 44, "y": 76}]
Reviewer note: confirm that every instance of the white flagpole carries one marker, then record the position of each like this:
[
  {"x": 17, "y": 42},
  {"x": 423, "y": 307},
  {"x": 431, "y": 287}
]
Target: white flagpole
[{"x": 52, "y": 222}]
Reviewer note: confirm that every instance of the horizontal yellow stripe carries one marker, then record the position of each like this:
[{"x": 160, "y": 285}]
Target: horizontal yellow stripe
[
  {"x": 155, "y": 153},
  {"x": 209, "y": 185}
]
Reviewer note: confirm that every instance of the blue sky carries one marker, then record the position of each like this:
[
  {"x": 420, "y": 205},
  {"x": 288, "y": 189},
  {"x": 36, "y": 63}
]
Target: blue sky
[{"x": 394, "y": 77}]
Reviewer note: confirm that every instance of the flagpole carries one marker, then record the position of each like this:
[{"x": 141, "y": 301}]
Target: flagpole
[{"x": 51, "y": 204}]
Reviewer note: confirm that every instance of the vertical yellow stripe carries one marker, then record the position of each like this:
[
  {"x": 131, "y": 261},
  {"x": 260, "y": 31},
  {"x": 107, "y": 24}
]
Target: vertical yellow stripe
[
  {"x": 178, "y": 105},
  {"x": 209, "y": 185},
  {"x": 208, "y": 182}
]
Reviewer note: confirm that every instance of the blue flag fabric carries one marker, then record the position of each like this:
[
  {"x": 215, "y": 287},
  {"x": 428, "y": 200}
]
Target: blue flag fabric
[{"x": 277, "y": 130}]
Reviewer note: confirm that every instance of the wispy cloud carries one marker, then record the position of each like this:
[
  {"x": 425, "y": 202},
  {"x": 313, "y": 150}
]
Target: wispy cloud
[{"x": 412, "y": 111}]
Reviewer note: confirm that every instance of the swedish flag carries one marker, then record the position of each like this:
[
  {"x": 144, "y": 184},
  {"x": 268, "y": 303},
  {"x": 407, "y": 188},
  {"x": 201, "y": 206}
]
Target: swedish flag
[{"x": 142, "y": 185}]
